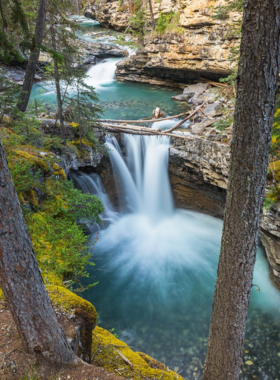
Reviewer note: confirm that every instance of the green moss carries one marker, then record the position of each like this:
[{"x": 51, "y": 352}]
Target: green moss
[
  {"x": 2, "y": 297},
  {"x": 33, "y": 159},
  {"x": 51, "y": 278},
  {"x": 115, "y": 356},
  {"x": 58, "y": 171},
  {"x": 153, "y": 363},
  {"x": 67, "y": 301},
  {"x": 32, "y": 197}
]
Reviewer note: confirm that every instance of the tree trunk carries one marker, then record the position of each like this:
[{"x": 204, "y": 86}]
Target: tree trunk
[
  {"x": 21, "y": 281},
  {"x": 57, "y": 85},
  {"x": 256, "y": 88},
  {"x": 152, "y": 14},
  {"x": 33, "y": 58},
  {"x": 79, "y": 115}
]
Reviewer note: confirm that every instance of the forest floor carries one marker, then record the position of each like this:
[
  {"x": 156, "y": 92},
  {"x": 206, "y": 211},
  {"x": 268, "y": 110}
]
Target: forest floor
[{"x": 17, "y": 364}]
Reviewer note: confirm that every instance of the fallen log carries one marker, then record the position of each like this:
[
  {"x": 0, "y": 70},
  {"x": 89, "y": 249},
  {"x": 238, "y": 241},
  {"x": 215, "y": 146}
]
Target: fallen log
[
  {"x": 129, "y": 131},
  {"x": 183, "y": 121},
  {"x": 141, "y": 131},
  {"x": 141, "y": 121}
]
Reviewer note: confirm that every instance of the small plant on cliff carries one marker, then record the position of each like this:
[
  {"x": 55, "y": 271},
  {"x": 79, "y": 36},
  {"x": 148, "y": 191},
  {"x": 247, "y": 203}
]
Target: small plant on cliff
[
  {"x": 168, "y": 22},
  {"x": 234, "y": 32},
  {"x": 222, "y": 12},
  {"x": 138, "y": 21},
  {"x": 163, "y": 21}
]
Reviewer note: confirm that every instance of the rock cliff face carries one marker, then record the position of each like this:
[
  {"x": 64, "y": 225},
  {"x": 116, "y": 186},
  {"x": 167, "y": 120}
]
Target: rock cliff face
[
  {"x": 110, "y": 14},
  {"x": 199, "y": 175},
  {"x": 200, "y": 46}
]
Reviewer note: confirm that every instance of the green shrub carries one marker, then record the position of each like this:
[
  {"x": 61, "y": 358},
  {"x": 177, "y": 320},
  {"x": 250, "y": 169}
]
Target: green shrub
[{"x": 168, "y": 22}]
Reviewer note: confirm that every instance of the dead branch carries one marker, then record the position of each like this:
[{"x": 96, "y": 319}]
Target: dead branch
[
  {"x": 125, "y": 359},
  {"x": 183, "y": 121}
]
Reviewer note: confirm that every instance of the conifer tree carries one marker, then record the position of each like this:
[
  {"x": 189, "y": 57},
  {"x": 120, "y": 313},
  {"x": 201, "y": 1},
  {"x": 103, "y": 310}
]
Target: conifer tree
[
  {"x": 253, "y": 118},
  {"x": 33, "y": 56}
]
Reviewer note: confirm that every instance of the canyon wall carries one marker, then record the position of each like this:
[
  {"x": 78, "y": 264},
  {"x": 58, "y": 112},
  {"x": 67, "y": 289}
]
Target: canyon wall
[
  {"x": 199, "y": 175},
  {"x": 198, "y": 45}
]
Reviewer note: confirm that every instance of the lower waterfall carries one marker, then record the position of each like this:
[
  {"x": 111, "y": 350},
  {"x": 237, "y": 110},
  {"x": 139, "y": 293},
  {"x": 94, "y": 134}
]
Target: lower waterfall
[{"x": 156, "y": 265}]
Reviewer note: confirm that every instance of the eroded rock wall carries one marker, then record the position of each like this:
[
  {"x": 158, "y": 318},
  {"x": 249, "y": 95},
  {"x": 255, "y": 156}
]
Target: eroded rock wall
[
  {"x": 199, "y": 45},
  {"x": 199, "y": 174}
]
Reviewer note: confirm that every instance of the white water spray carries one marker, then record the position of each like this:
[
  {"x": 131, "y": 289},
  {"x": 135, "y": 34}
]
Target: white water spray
[
  {"x": 144, "y": 175},
  {"x": 102, "y": 74}
]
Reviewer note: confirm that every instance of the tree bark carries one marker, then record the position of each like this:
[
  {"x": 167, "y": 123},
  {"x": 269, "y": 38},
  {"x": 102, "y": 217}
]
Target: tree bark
[
  {"x": 152, "y": 14},
  {"x": 21, "y": 281},
  {"x": 33, "y": 58},
  {"x": 256, "y": 88},
  {"x": 57, "y": 86},
  {"x": 79, "y": 115}
]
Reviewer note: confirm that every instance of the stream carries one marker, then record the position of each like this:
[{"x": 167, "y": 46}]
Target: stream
[{"x": 156, "y": 265}]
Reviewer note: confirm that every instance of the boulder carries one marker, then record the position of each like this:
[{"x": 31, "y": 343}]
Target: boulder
[
  {"x": 198, "y": 129},
  {"x": 196, "y": 101},
  {"x": 181, "y": 98},
  {"x": 196, "y": 89},
  {"x": 208, "y": 98},
  {"x": 89, "y": 12},
  {"x": 214, "y": 109}
]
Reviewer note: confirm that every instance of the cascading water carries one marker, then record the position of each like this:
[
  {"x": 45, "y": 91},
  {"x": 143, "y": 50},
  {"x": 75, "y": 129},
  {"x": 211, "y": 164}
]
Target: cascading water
[
  {"x": 144, "y": 178},
  {"x": 103, "y": 73},
  {"x": 158, "y": 267},
  {"x": 92, "y": 184}
]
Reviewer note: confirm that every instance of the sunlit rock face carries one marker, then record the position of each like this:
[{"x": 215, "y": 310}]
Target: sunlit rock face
[
  {"x": 201, "y": 47},
  {"x": 109, "y": 14}
]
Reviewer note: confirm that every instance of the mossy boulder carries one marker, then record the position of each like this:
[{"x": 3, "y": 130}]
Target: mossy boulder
[
  {"x": 84, "y": 312},
  {"x": 117, "y": 357}
]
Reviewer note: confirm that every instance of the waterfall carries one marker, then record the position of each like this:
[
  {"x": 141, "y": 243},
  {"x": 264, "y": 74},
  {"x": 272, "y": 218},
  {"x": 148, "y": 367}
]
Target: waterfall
[
  {"x": 142, "y": 177},
  {"x": 92, "y": 184},
  {"x": 103, "y": 73}
]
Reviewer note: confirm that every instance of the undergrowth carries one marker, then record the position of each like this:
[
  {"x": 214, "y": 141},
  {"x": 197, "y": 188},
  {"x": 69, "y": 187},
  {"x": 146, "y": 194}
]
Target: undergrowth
[{"x": 51, "y": 205}]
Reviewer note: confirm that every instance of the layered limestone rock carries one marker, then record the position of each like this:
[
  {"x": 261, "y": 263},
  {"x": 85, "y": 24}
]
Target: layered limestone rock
[
  {"x": 198, "y": 45},
  {"x": 199, "y": 174},
  {"x": 87, "y": 156},
  {"x": 110, "y": 14}
]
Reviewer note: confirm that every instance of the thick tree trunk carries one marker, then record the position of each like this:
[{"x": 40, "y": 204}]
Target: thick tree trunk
[
  {"x": 256, "y": 88},
  {"x": 57, "y": 85},
  {"x": 21, "y": 281},
  {"x": 33, "y": 58}
]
